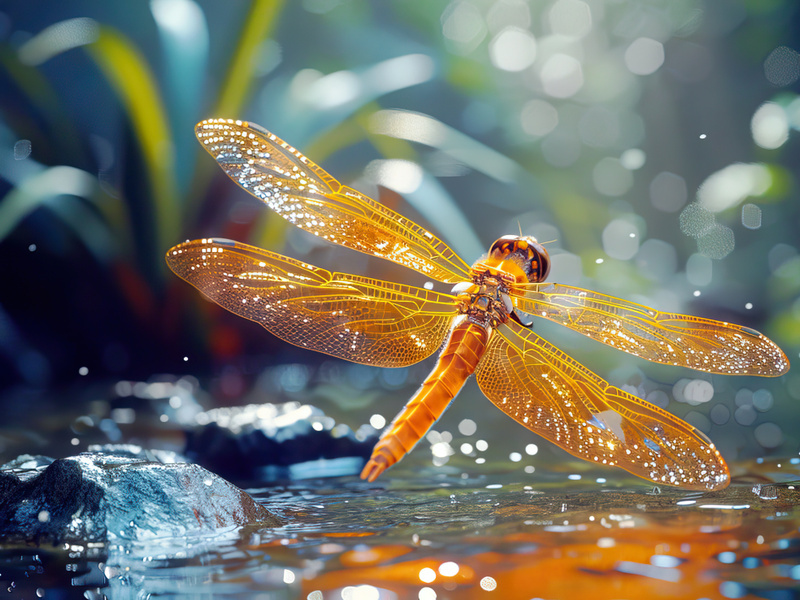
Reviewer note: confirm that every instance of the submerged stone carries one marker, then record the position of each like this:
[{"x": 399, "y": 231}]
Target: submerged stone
[{"x": 117, "y": 496}]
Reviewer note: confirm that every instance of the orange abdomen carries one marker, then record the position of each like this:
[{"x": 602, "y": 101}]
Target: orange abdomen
[{"x": 462, "y": 352}]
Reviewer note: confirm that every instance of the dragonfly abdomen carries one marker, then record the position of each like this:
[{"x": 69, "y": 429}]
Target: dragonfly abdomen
[{"x": 458, "y": 360}]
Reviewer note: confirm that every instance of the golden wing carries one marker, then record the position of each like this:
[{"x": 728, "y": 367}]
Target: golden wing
[
  {"x": 363, "y": 320},
  {"x": 307, "y": 196},
  {"x": 669, "y": 338},
  {"x": 558, "y": 398}
]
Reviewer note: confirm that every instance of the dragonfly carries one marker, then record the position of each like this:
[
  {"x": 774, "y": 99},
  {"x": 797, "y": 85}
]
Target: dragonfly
[{"x": 480, "y": 325}]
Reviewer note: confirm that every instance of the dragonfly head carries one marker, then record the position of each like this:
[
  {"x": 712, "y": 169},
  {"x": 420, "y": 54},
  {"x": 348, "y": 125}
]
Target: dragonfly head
[{"x": 524, "y": 251}]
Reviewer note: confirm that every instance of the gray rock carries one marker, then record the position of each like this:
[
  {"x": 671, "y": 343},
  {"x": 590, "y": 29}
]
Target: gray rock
[{"x": 117, "y": 497}]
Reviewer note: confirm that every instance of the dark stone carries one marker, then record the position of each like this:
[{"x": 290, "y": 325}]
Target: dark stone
[
  {"x": 99, "y": 496},
  {"x": 277, "y": 441}
]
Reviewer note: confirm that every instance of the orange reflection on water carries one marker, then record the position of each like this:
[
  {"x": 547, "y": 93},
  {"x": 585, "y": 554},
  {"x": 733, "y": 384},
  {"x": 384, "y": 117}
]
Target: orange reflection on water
[{"x": 624, "y": 545}]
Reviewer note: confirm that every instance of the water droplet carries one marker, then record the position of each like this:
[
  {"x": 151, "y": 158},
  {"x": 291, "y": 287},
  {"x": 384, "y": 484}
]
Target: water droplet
[{"x": 22, "y": 149}]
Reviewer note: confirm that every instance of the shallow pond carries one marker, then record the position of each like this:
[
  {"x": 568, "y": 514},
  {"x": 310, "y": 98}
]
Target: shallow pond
[{"x": 461, "y": 532}]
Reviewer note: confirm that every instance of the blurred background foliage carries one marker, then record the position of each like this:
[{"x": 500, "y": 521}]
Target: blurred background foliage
[{"x": 652, "y": 145}]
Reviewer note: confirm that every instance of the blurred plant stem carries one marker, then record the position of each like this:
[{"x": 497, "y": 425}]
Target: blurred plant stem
[
  {"x": 258, "y": 24},
  {"x": 135, "y": 84}
]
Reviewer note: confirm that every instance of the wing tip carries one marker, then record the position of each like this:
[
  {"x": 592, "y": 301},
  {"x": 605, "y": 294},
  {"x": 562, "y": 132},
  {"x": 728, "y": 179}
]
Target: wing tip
[
  {"x": 172, "y": 255},
  {"x": 217, "y": 122},
  {"x": 213, "y": 127}
]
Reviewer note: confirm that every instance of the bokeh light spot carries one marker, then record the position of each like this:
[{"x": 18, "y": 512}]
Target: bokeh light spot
[
  {"x": 770, "y": 126},
  {"x": 751, "y": 216},
  {"x": 696, "y": 220},
  {"x": 467, "y": 427},
  {"x": 488, "y": 583},
  {"x": 448, "y": 569},
  {"x": 782, "y": 66},
  {"x": 698, "y": 420},
  {"x": 571, "y": 18},
  {"x": 633, "y": 159},
  {"x": 745, "y": 415},
  {"x": 508, "y": 13},
  {"x": 720, "y": 414},
  {"x": 762, "y": 400},
  {"x": 441, "y": 450},
  {"x": 744, "y": 397},
  {"x": 610, "y": 178},
  {"x": 617, "y": 240},
  {"x": 427, "y": 593},
  {"x": 644, "y": 56},
  {"x": 717, "y": 242},
  {"x": 659, "y": 398},
  {"x": 463, "y": 26},
  {"x": 779, "y": 255},
  {"x": 668, "y": 192},
  {"x": 698, "y": 391},
  {"x": 22, "y": 149},
  {"x": 768, "y": 435},
  {"x": 361, "y": 592},
  {"x": 657, "y": 260},
  {"x": 427, "y": 575},
  {"x": 538, "y": 118},
  {"x": 561, "y": 75},
  {"x": 513, "y": 49},
  {"x": 699, "y": 269}
]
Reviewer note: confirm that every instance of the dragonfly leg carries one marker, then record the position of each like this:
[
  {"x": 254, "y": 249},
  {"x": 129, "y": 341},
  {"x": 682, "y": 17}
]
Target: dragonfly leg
[{"x": 516, "y": 318}]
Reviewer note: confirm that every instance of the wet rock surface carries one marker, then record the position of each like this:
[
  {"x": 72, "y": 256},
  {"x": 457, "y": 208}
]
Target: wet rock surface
[
  {"x": 265, "y": 442},
  {"x": 117, "y": 494}
]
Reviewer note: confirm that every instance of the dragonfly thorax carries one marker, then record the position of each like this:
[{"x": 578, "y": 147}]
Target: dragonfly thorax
[
  {"x": 521, "y": 257},
  {"x": 485, "y": 301}
]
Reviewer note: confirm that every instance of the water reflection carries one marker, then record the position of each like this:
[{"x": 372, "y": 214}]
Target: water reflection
[{"x": 437, "y": 533}]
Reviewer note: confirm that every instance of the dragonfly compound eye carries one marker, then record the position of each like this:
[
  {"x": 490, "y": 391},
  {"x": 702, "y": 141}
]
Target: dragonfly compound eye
[{"x": 539, "y": 262}]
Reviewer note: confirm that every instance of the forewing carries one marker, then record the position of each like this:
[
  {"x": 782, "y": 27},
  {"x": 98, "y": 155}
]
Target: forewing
[
  {"x": 669, "y": 338},
  {"x": 308, "y": 197},
  {"x": 558, "y": 398},
  {"x": 363, "y": 320}
]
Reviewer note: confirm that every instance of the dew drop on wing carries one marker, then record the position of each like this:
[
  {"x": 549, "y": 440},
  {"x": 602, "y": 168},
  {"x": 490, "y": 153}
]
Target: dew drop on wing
[{"x": 652, "y": 445}]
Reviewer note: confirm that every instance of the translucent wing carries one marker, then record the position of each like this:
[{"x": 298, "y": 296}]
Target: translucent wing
[
  {"x": 359, "y": 319},
  {"x": 669, "y": 338},
  {"x": 307, "y": 196},
  {"x": 556, "y": 397}
]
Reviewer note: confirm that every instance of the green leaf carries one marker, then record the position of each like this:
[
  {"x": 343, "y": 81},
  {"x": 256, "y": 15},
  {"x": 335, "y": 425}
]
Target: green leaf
[
  {"x": 58, "y": 189},
  {"x": 131, "y": 77},
  {"x": 257, "y": 27}
]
